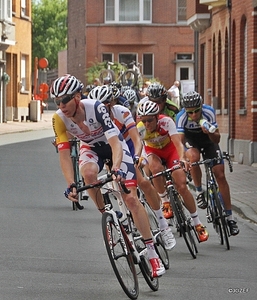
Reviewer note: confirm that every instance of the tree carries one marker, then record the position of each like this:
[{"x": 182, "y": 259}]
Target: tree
[{"x": 49, "y": 29}]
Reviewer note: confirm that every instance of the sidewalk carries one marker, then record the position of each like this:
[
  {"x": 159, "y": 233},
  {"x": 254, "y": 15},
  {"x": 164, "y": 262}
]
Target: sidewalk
[{"x": 242, "y": 181}]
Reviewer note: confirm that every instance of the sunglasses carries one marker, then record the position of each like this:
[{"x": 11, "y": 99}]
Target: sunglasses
[
  {"x": 190, "y": 112},
  {"x": 149, "y": 120},
  {"x": 64, "y": 100}
]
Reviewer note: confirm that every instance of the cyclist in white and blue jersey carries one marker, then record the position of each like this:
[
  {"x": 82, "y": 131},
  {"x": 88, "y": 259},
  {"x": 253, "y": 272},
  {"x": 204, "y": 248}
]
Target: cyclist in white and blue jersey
[{"x": 199, "y": 139}]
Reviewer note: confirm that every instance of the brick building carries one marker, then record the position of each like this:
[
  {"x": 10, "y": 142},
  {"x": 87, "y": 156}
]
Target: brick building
[
  {"x": 152, "y": 32},
  {"x": 226, "y": 68},
  {"x": 15, "y": 59}
]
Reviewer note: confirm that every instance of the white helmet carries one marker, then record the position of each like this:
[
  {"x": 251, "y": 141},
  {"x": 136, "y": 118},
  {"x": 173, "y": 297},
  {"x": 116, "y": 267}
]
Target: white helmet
[
  {"x": 130, "y": 95},
  {"x": 65, "y": 85},
  {"x": 101, "y": 93},
  {"x": 147, "y": 108}
]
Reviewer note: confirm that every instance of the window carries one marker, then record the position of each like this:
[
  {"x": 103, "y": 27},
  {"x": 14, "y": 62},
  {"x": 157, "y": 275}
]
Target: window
[
  {"x": 148, "y": 65},
  {"x": 184, "y": 73},
  {"x": 182, "y": 10},
  {"x": 128, "y": 11},
  {"x": 107, "y": 57},
  {"x": 6, "y": 10},
  {"x": 127, "y": 58},
  {"x": 24, "y": 73},
  {"x": 24, "y": 8},
  {"x": 184, "y": 56}
]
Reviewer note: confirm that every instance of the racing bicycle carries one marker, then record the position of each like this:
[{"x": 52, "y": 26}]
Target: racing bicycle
[
  {"x": 124, "y": 244},
  {"x": 216, "y": 213},
  {"x": 183, "y": 220}
]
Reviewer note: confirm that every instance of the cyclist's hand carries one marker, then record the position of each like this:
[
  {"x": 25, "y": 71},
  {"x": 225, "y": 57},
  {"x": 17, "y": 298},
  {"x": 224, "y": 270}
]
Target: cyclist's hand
[
  {"x": 140, "y": 162},
  {"x": 185, "y": 165},
  {"x": 71, "y": 193},
  {"x": 118, "y": 175}
]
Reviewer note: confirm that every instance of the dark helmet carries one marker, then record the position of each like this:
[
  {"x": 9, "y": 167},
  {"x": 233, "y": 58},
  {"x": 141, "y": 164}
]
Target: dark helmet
[
  {"x": 192, "y": 99},
  {"x": 156, "y": 90}
]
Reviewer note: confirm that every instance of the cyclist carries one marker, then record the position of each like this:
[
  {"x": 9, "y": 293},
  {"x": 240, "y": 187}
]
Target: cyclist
[
  {"x": 197, "y": 139},
  {"x": 90, "y": 122},
  {"x": 157, "y": 93},
  {"x": 131, "y": 96},
  {"x": 123, "y": 119},
  {"x": 162, "y": 142}
]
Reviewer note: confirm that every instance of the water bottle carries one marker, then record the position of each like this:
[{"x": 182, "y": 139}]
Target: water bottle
[{"x": 211, "y": 128}]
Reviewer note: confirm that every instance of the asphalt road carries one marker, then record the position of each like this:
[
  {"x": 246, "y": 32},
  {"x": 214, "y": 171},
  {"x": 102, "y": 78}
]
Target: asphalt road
[{"x": 49, "y": 252}]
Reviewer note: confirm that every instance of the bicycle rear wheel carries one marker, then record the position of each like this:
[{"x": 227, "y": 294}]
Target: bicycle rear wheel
[
  {"x": 130, "y": 78},
  {"x": 184, "y": 224},
  {"x": 120, "y": 256},
  {"x": 104, "y": 74}
]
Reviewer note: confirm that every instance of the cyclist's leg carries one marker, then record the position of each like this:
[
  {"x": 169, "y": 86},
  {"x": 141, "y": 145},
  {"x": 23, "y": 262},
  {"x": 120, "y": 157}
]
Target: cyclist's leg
[
  {"x": 90, "y": 165},
  {"x": 139, "y": 213},
  {"x": 154, "y": 201},
  {"x": 179, "y": 177}
]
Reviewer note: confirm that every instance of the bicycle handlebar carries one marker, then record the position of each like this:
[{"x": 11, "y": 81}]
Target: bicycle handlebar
[
  {"x": 101, "y": 182},
  {"x": 208, "y": 161}
]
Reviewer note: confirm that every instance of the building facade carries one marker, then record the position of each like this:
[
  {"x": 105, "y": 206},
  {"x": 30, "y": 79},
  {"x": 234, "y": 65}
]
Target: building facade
[
  {"x": 153, "y": 33},
  {"x": 15, "y": 60},
  {"x": 226, "y": 68}
]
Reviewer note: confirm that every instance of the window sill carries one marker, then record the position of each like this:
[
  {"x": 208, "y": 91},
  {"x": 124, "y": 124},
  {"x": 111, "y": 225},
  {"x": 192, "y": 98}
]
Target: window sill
[
  {"x": 24, "y": 92},
  {"x": 241, "y": 111}
]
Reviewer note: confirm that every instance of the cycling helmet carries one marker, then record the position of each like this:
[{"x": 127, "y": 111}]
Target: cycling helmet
[
  {"x": 124, "y": 88},
  {"x": 147, "y": 108},
  {"x": 192, "y": 99},
  {"x": 130, "y": 95},
  {"x": 156, "y": 90},
  {"x": 102, "y": 93},
  {"x": 65, "y": 85},
  {"x": 115, "y": 91}
]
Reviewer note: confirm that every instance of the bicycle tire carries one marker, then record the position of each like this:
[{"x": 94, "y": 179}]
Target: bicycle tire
[
  {"x": 222, "y": 218},
  {"x": 184, "y": 228},
  {"x": 78, "y": 181},
  {"x": 106, "y": 73},
  {"x": 146, "y": 270},
  {"x": 130, "y": 78},
  {"x": 120, "y": 256},
  {"x": 158, "y": 243},
  {"x": 162, "y": 252}
]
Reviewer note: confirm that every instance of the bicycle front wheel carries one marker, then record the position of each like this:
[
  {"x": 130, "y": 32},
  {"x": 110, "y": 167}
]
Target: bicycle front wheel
[
  {"x": 223, "y": 224},
  {"x": 184, "y": 225},
  {"x": 158, "y": 242},
  {"x": 120, "y": 256},
  {"x": 146, "y": 270}
]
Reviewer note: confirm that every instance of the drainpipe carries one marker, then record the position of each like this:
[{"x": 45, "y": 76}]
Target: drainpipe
[
  {"x": 229, "y": 76},
  {"x": 196, "y": 46}
]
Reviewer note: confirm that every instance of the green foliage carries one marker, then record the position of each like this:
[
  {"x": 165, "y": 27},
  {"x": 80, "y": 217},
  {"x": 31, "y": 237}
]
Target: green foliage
[{"x": 49, "y": 29}]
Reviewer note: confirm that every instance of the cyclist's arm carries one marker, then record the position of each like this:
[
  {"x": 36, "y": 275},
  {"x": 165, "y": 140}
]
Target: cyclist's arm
[
  {"x": 63, "y": 145},
  {"x": 214, "y": 137},
  {"x": 176, "y": 139},
  {"x": 134, "y": 135},
  {"x": 117, "y": 152}
]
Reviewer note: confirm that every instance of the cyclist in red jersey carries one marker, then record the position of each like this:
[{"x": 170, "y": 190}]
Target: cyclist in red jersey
[{"x": 162, "y": 142}]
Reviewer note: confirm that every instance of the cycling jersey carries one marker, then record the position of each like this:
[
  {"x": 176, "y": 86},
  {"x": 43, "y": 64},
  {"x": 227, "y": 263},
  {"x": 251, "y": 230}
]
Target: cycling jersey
[
  {"x": 193, "y": 130},
  {"x": 194, "y": 135},
  {"x": 159, "y": 141},
  {"x": 94, "y": 146},
  {"x": 123, "y": 119}
]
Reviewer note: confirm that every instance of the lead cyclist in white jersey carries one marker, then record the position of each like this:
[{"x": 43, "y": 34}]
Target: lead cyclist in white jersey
[{"x": 89, "y": 121}]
